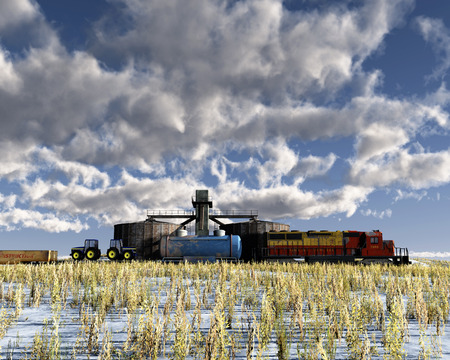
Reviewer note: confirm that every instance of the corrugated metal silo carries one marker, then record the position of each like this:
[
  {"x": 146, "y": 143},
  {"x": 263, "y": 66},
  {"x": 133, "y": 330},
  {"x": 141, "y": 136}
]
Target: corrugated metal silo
[
  {"x": 252, "y": 234},
  {"x": 144, "y": 236}
]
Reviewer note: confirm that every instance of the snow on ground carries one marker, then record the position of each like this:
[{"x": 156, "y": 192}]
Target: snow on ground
[{"x": 39, "y": 321}]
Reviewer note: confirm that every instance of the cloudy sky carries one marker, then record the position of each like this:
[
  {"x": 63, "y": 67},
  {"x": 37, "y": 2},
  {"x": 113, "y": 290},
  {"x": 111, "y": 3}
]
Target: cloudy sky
[{"x": 319, "y": 114}]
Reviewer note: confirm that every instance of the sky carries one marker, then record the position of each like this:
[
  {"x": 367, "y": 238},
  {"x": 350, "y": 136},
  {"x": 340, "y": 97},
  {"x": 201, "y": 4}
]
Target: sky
[{"x": 319, "y": 114}]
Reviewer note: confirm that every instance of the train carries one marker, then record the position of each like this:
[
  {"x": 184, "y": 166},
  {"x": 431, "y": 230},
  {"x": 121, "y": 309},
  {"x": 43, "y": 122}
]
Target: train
[
  {"x": 332, "y": 246},
  {"x": 309, "y": 246}
]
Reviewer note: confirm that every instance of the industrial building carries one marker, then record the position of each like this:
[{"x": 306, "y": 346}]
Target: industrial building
[{"x": 146, "y": 235}]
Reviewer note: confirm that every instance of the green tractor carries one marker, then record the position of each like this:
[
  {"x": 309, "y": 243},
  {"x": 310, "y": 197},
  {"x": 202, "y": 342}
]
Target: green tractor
[
  {"x": 117, "y": 251},
  {"x": 89, "y": 251}
]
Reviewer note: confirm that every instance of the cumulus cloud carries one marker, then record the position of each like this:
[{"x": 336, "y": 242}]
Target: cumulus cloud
[
  {"x": 9, "y": 80},
  {"x": 289, "y": 201},
  {"x": 168, "y": 97},
  {"x": 416, "y": 171},
  {"x": 16, "y": 218},
  {"x": 245, "y": 67},
  {"x": 17, "y": 160},
  {"x": 16, "y": 12},
  {"x": 437, "y": 34},
  {"x": 87, "y": 175},
  {"x": 282, "y": 161},
  {"x": 312, "y": 166},
  {"x": 379, "y": 139},
  {"x": 8, "y": 201}
]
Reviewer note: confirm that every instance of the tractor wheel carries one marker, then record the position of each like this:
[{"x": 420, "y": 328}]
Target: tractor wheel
[
  {"x": 91, "y": 254},
  {"x": 113, "y": 254},
  {"x": 128, "y": 255},
  {"x": 77, "y": 255}
]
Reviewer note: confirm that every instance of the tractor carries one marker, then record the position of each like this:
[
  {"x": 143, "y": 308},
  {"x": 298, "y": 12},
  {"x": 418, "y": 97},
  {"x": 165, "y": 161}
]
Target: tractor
[
  {"x": 90, "y": 250},
  {"x": 117, "y": 251}
]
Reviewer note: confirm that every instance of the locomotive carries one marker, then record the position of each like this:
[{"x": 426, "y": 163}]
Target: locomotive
[{"x": 333, "y": 246}]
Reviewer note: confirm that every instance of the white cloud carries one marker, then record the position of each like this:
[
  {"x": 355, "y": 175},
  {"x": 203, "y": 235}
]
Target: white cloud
[
  {"x": 219, "y": 170},
  {"x": 379, "y": 139},
  {"x": 281, "y": 161},
  {"x": 417, "y": 171},
  {"x": 9, "y": 80},
  {"x": 17, "y": 161},
  {"x": 377, "y": 214},
  {"x": 438, "y": 114},
  {"x": 16, "y": 12},
  {"x": 438, "y": 35},
  {"x": 436, "y": 102},
  {"x": 290, "y": 202},
  {"x": 168, "y": 90},
  {"x": 417, "y": 195},
  {"x": 312, "y": 166},
  {"x": 8, "y": 202},
  {"x": 126, "y": 200},
  {"x": 62, "y": 94},
  {"x": 77, "y": 172},
  {"x": 241, "y": 70},
  {"x": 13, "y": 219}
]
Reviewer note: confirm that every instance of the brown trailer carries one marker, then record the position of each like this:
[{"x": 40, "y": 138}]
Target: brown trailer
[{"x": 27, "y": 256}]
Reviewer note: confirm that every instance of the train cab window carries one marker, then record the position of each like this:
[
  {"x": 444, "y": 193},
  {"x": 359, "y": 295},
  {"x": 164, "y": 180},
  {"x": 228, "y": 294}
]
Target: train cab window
[
  {"x": 277, "y": 236},
  {"x": 374, "y": 240},
  {"x": 294, "y": 236}
]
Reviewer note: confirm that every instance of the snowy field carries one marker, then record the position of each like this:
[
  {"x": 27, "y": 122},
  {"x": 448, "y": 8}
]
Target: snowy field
[{"x": 151, "y": 310}]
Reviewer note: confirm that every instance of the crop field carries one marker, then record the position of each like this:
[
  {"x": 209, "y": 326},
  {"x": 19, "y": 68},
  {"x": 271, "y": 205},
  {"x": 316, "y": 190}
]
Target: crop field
[{"x": 152, "y": 310}]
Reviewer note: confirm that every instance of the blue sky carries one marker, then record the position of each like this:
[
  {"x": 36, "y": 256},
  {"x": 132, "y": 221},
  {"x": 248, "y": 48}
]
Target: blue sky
[{"x": 323, "y": 115}]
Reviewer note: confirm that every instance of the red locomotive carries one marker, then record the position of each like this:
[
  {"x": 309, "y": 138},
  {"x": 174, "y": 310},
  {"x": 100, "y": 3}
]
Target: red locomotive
[{"x": 333, "y": 246}]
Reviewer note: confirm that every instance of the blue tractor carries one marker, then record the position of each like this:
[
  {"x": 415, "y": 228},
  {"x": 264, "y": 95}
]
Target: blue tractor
[
  {"x": 117, "y": 251},
  {"x": 89, "y": 251}
]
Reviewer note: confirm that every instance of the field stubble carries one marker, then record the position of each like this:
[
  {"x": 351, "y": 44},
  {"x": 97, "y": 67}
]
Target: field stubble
[{"x": 152, "y": 310}]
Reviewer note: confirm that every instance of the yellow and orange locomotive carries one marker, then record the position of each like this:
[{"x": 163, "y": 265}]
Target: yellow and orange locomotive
[{"x": 333, "y": 246}]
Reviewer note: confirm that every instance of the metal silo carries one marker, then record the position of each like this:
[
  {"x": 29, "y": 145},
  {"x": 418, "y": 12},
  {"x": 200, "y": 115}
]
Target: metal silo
[
  {"x": 144, "y": 236},
  {"x": 252, "y": 235}
]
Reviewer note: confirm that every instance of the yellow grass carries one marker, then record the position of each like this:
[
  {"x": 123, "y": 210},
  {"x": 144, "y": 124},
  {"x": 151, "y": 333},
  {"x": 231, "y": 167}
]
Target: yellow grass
[{"x": 215, "y": 311}]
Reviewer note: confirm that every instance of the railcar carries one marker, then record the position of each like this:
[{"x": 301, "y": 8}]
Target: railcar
[
  {"x": 200, "y": 248},
  {"x": 333, "y": 246},
  {"x": 27, "y": 256}
]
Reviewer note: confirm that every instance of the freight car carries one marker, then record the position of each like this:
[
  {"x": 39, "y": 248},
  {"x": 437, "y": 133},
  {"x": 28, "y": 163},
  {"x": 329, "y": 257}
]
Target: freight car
[
  {"x": 333, "y": 246},
  {"x": 27, "y": 256},
  {"x": 200, "y": 248}
]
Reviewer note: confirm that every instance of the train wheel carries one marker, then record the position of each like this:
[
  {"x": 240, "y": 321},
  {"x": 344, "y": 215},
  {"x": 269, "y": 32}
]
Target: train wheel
[
  {"x": 128, "y": 255},
  {"x": 91, "y": 254},
  {"x": 77, "y": 255},
  {"x": 113, "y": 254}
]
